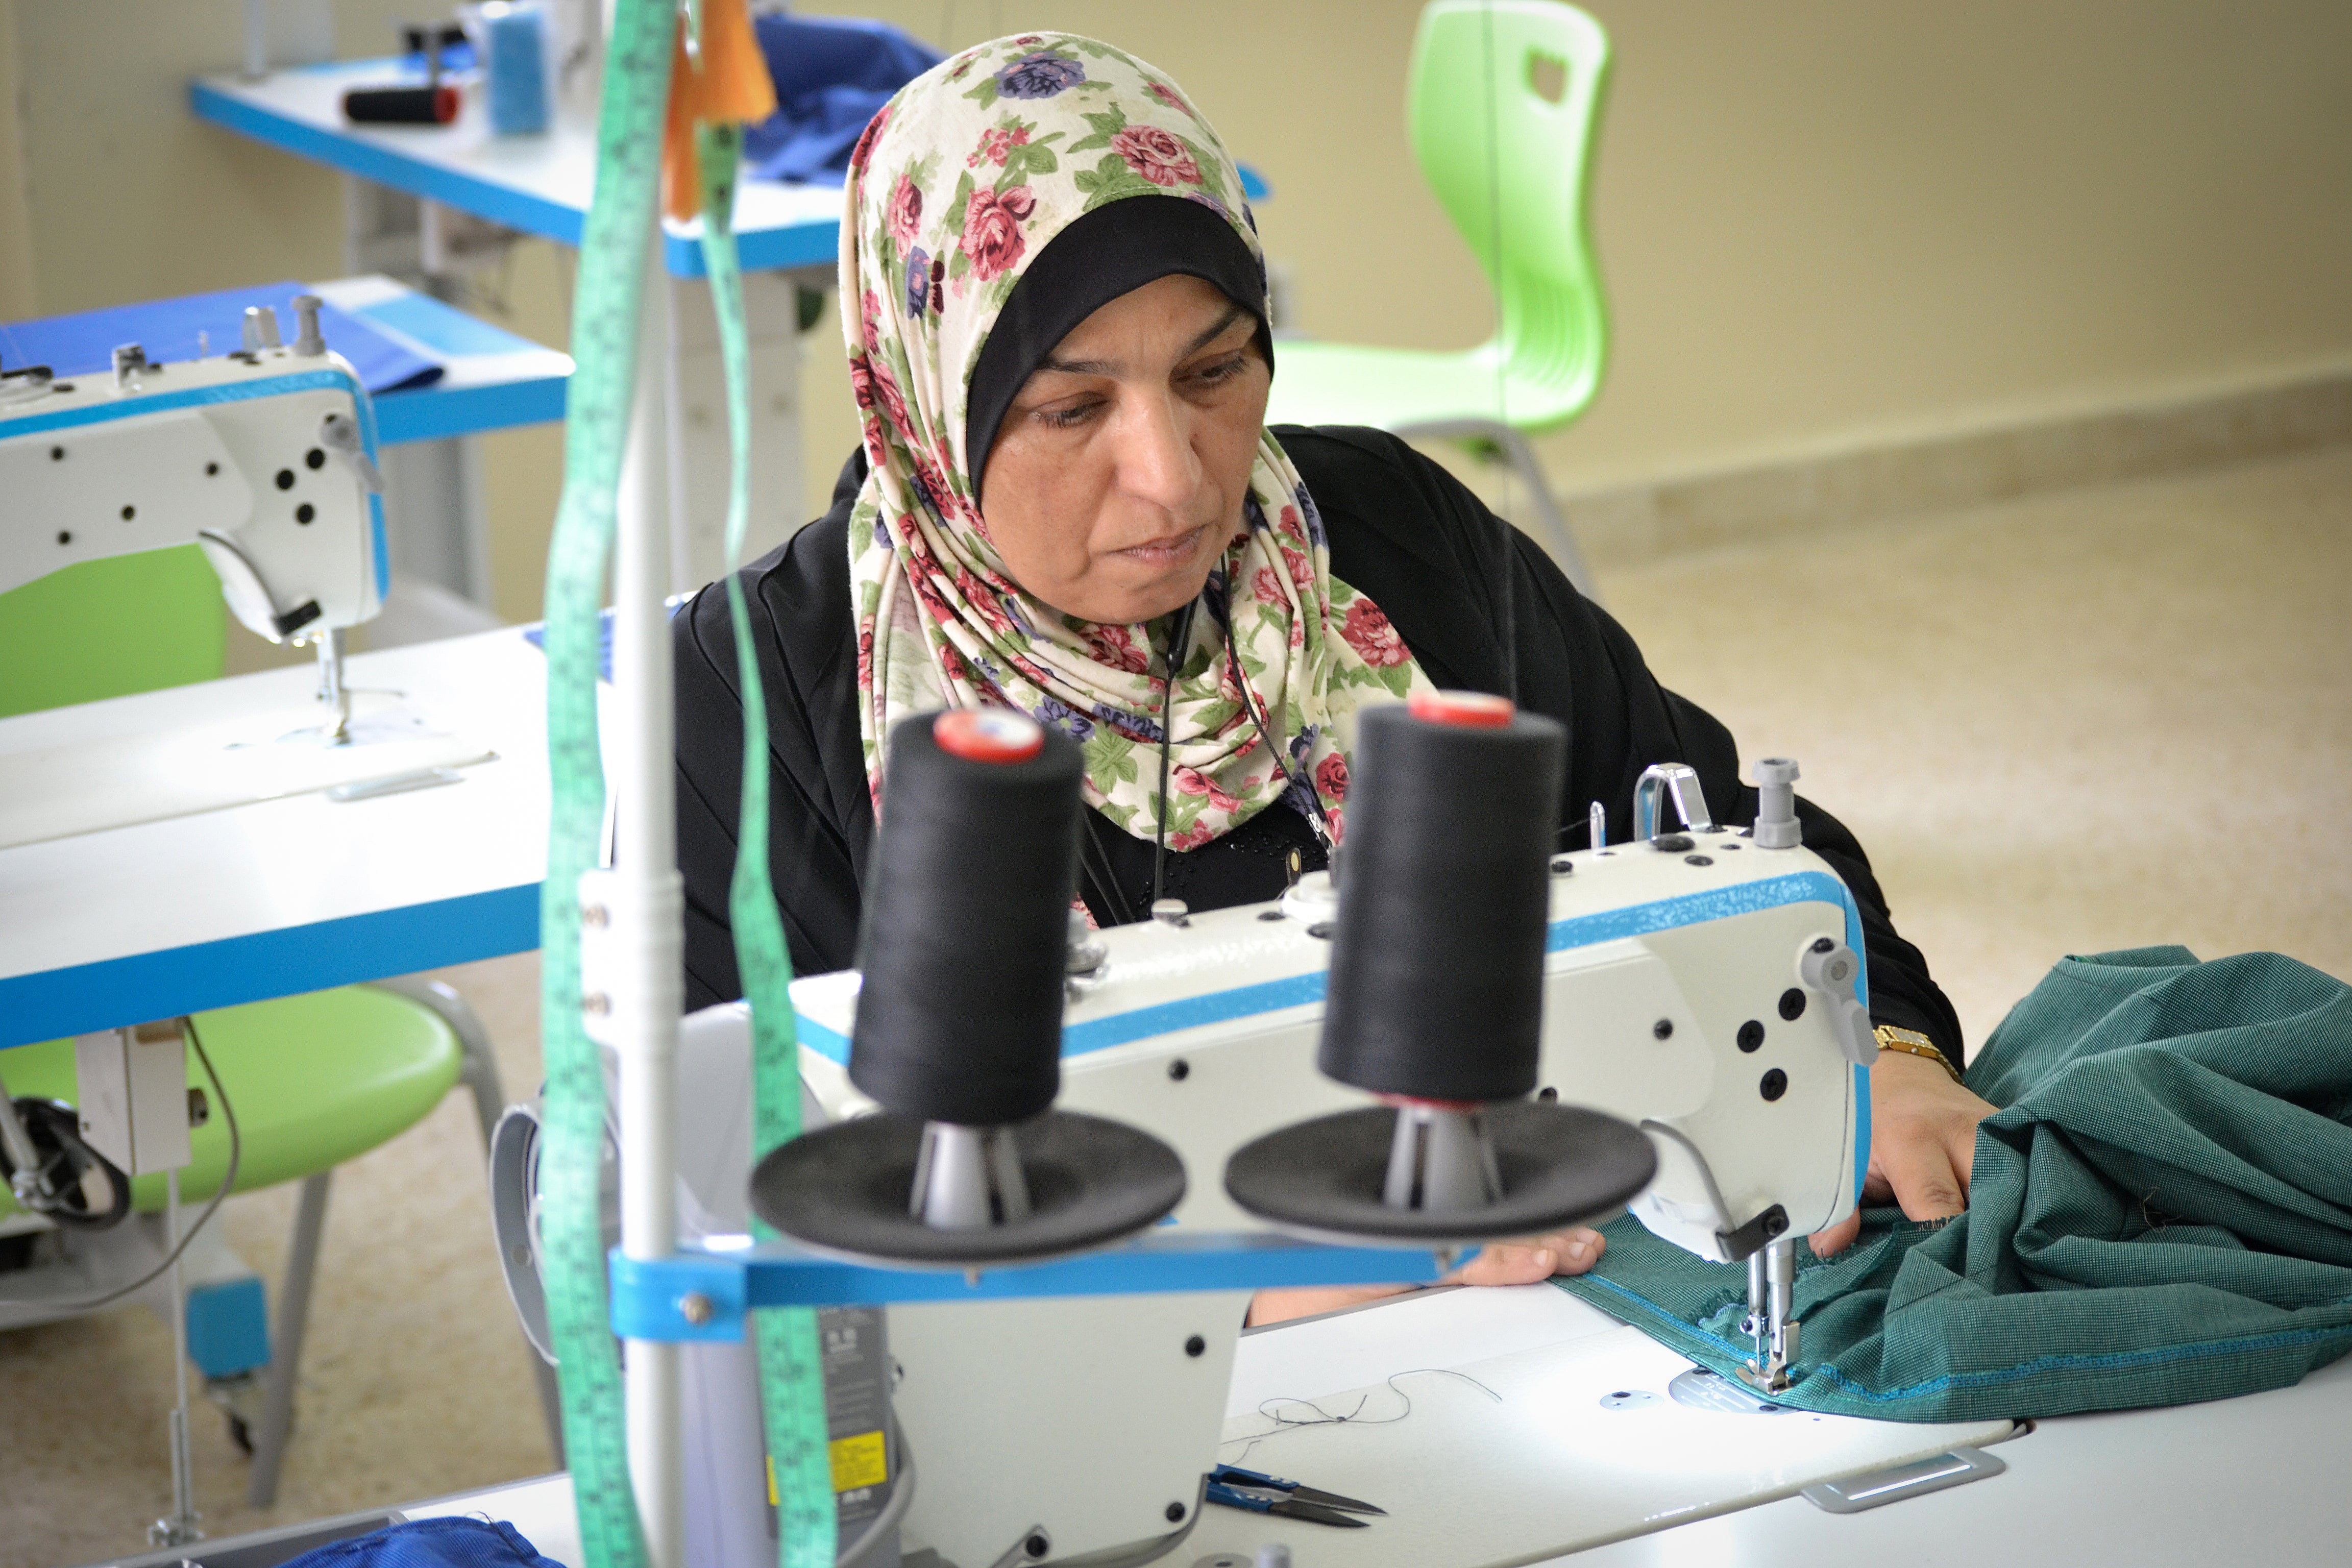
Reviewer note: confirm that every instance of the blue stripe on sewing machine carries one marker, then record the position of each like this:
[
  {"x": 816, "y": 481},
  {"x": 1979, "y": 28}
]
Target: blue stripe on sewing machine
[
  {"x": 1304, "y": 990},
  {"x": 703, "y": 1294},
  {"x": 238, "y": 392}
]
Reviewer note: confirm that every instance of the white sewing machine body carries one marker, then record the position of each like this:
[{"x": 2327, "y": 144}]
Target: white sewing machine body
[
  {"x": 225, "y": 452},
  {"x": 1662, "y": 962},
  {"x": 1205, "y": 1034}
]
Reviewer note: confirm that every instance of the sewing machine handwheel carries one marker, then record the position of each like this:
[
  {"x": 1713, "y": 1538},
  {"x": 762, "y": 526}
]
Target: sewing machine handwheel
[
  {"x": 843, "y": 1190},
  {"x": 1559, "y": 1164}
]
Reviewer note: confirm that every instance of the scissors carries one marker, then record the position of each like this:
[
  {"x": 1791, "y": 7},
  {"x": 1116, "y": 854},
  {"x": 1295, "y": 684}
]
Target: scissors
[{"x": 1237, "y": 1488}]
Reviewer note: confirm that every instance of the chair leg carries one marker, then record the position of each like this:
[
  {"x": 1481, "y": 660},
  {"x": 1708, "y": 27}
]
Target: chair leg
[
  {"x": 1563, "y": 543},
  {"x": 480, "y": 1072},
  {"x": 480, "y": 1075},
  {"x": 286, "y": 1356},
  {"x": 1521, "y": 454}
]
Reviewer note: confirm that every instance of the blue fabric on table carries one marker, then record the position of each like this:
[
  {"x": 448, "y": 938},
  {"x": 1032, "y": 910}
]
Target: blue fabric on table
[
  {"x": 456, "y": 1542},
  {"x": 84, "y": 343},
  {"x": 830, "y": 75}
]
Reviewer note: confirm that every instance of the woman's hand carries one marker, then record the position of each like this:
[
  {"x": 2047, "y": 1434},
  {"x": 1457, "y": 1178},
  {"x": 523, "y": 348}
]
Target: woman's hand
[
  {"x": 1532, "y": 1260},
  {"x": 1528, "y": 1261},
  {"x": 1923, "y": 1144}
]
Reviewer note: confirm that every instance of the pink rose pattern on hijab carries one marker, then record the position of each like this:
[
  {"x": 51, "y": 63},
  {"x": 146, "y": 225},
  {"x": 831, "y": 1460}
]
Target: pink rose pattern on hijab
[{"x": 957, "y": 185}]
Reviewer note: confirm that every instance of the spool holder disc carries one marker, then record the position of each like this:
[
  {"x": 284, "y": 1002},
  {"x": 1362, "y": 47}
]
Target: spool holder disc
[
  {"x": 1559, "y": 1165},
  {"x": 842, "y": 1191}
]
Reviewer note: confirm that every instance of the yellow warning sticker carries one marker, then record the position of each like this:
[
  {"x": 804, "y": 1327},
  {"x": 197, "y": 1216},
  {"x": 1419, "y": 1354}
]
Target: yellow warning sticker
[{"x": 859, "y": 1461}]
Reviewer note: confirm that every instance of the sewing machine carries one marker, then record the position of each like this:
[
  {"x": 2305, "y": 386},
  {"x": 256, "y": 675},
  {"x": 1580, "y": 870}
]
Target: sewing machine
[
  {"x": 1702, "y": 983},
  {"x": 264, "y": 455}
]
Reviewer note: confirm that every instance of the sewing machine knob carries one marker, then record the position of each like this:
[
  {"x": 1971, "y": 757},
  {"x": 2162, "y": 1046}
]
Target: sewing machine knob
[
  {"x": 1777, "y": 826},
  {"x": 130, "y": 359},
  {"x": 307, "y": 339},
  {"x": 1171, "y": 911}
]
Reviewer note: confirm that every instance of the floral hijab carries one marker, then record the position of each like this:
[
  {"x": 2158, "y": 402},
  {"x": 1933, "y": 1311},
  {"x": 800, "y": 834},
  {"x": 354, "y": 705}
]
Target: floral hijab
[{"x": 960, "y": 181}]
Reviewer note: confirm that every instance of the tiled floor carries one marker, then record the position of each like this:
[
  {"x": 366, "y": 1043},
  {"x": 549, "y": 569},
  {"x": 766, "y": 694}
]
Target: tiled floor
[{"x": 2102, "y": 719}]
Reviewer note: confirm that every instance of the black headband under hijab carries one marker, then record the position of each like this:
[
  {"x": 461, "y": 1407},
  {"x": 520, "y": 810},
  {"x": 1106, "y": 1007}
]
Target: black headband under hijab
[{"x": 1113, "y": 250}]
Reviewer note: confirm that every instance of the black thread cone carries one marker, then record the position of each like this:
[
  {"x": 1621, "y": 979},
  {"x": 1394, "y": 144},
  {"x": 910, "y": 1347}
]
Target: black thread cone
[
  {"x": 966, "y": 920},
  {"x": 1436, "y": 986}
]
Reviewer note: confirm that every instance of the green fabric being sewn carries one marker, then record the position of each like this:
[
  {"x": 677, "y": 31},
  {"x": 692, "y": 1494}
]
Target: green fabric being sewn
[{"x": 2160, "y": 1213}]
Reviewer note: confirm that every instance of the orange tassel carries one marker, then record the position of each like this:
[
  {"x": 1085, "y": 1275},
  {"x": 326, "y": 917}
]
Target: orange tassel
[{"x": 732, "y": 86}]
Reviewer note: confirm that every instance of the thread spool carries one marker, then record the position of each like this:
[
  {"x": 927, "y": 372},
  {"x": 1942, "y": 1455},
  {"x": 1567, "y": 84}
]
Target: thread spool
[
  {"x": 1435, "y": 1001},
  {"x": 513, "y": 48},
  {"x": 966, "y": 920},
  {"x": 1456, "y": 805},
  {"x": 433, "y": 105},
  {"x": 959, "y": 1026}
]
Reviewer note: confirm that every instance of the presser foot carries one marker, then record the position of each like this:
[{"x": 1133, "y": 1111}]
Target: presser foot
[{"x": 1767, "y": 1371}]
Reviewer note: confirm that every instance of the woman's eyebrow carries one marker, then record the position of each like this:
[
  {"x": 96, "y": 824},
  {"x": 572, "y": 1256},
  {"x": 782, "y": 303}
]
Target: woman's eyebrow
[{"x": 1111, "y": 367}]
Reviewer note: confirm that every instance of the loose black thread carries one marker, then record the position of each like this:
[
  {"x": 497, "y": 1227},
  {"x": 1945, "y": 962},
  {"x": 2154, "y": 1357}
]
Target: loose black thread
[{"x": 1353, "y": 1417}]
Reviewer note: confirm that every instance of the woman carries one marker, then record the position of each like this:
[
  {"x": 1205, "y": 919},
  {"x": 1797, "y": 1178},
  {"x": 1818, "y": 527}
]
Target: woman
[{"x": 1056, "y": 312}]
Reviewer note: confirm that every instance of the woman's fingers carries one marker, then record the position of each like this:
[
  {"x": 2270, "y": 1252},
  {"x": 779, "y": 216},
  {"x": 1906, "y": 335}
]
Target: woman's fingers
[
  {"x": 1307, "y": 1301},
  {"x": 1533, "y": 1259},
  {"x": 1838, "y": 1238},
  {"x": 1925, "y": 1186}
]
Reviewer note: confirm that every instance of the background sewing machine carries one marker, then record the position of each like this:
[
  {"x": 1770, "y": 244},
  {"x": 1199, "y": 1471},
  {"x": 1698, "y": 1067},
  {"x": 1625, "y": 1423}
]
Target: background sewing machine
[
  {"x": 263, "y": 456},
  {"x": 264, "y": 459},
  {"x": 1701, "y": 983}
]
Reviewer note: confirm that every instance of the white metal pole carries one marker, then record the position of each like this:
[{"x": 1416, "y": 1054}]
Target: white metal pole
[{"x": 647, "y": 917}]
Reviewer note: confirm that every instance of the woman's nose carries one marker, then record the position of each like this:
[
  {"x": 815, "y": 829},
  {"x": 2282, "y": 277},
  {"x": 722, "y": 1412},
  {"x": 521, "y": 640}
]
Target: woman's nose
[{"x": 1155, "y": 463}]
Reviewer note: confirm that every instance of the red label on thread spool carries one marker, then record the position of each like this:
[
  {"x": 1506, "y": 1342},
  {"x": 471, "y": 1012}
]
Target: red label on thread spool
[
  {"x": 989, "y": 734},
  {"x": 1465, "y": 710}
]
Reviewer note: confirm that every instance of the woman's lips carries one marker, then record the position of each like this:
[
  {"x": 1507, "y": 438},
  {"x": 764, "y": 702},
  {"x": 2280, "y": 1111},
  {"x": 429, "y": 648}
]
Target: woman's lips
[{"x": 1164, "y": 552}]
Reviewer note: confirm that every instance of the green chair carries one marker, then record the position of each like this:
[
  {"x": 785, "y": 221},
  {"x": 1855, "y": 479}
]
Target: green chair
[
  {"x": 1503, "y": 102},
  {"x": 314, "y": 1079}
]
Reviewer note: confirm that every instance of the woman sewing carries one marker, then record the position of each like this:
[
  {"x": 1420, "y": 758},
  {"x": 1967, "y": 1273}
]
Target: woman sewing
[{"x": 1067, "y": 502}]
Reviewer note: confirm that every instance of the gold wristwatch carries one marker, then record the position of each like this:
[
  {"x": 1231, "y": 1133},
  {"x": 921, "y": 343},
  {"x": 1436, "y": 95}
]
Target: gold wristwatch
[{"x": 1911, "y": 1042}]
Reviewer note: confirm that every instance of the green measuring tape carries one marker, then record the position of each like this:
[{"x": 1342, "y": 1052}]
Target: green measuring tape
[
  {"x": 792, "y": 1376},
  {"x": 604, "y": 346}
]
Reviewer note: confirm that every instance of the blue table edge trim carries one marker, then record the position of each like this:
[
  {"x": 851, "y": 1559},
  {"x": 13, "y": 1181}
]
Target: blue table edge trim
[
  {"x": 289, "y": 962},
  {"x": 649, "y": 1295},
  {"x": 812, "y": 244},
  {"x": 499, "y": 203}
]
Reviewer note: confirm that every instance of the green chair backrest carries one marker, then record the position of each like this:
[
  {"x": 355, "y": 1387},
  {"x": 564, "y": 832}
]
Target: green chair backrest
[
  {"x": 1503, "y": 99},
  {"x": 110, "y": 627}
]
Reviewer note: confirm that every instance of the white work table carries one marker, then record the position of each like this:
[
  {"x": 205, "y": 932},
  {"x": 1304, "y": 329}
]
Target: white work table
[
  {"x": 540, "y": 184},
  {"x": 1472, "y": 1483},
  {"x": 281, "y": 897}
]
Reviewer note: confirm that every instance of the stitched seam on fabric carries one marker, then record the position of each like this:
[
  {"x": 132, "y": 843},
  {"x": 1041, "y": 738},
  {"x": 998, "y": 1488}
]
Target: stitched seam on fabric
[{"x": 1994, "y": 1378}]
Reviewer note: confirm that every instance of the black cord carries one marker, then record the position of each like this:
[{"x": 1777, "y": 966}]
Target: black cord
[
  {"x": 1180, "y": 643},
  {"x": 228, "y": 1180},
  {"x": 1094, "y": 863},
  {"x": 1317, "y": 820}
]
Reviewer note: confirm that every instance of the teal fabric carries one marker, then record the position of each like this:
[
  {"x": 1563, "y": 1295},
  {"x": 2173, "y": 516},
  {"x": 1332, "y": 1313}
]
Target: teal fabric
[{"x": 2160, "y": 1213}]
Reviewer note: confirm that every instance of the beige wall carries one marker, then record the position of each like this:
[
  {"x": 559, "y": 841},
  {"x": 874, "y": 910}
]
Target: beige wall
[
  {"x": 1820, "y": 221},
  {"x": 1825, "y": 222}
]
